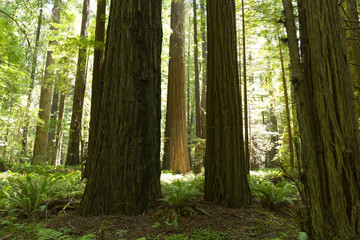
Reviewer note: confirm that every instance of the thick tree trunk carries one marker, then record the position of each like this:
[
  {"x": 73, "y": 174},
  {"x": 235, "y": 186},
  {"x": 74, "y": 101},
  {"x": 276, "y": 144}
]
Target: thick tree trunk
[
  {"x": 41, "y": 135},
  {"x": 73, "y": 155},
  {"x": 225, "y": 164},
  {"x": 125, "y": 171},
  {"x": 328, "y": 124},
  {"x": 175, "y": 149},
  {"x": 97, "y": 83},
  {"x": 32, "y": 80}
]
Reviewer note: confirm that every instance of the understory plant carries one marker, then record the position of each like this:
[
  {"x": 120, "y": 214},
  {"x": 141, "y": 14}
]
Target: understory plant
[
  {"x": 26, "y": 195},
  {"x": 273, "y": 194}
]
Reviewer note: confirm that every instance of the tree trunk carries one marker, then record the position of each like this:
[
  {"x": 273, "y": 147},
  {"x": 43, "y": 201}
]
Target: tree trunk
[
  {"x": 73, "y": 155},
  {"x": 287, "y": 110},
  {"x": 328, "y": 124},
  {"x": 198, "y": 153},
  {"x": 59, "y": 131},
  {"x": 41, "y": 136},
  {"x": 125, "y": 171},
  {"x": 175, "y": 149},
  {"x": 97, "y": 83},
  {"x": 225, "y": 164},
  {"x": 204, "y": 69},
  {"x": 52, "y": 125},
  {"x": 32, "y": 80},
  {"x": 246, "y": 119}
]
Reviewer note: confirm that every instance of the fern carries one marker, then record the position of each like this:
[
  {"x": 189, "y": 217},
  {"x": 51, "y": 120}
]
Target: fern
[
  {"x": 179, "y": 192},
  {"x": 50, "y": 234}
]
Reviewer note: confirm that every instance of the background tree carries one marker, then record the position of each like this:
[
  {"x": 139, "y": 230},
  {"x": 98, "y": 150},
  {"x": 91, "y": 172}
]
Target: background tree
[
  {"x": 225, "y": 164},
  {"x": 175, "y": 148},
  {"x": 125, "y": 168},
  {"x": 328, "y": 124},
  {"x": 73, "y": 155},
  {"x": 41, "y": 137}
]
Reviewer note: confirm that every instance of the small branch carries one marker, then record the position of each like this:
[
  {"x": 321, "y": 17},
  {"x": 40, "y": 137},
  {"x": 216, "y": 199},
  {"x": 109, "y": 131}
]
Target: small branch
[{"x": 27, "y": 39}]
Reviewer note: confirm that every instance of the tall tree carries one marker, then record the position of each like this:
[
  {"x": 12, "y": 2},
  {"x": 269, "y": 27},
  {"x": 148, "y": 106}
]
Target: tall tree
[
  {"x": 204, "y": 68},
  {"x": 198, "y": 153},
  {"x": 176, "y": 155},
  {"x": 97, "y": 83},
  {"x": 73, "y": 155},
  {"x": 287, "y": 109},
  {"x": 124, "y": 174},
  {"x": 246, "y": 118},
  {"x": 328, "y": 124},
  {"x": 52, "y": 123},
  {"x": 41, "y": 136},
  {"x": 296, "y": 70},
  {"x": 225, "y": 164}
]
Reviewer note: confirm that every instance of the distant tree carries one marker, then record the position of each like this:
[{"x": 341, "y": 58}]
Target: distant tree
[
  {"x": 225, "y": 164},
  {"x": 176, "y": 155},
  {"x": 41, "y": 136},
  {"x": 198, "y": 118},
  {"x": 328, "y": 124},
  {"x": 124, "y": 174},
  {"x": 73, "y": 155}
]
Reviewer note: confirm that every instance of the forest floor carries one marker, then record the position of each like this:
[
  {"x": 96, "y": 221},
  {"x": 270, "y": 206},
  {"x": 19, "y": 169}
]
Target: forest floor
[
  {"x": 195, "y": 219},
  {"x": 206, "y": 221}
]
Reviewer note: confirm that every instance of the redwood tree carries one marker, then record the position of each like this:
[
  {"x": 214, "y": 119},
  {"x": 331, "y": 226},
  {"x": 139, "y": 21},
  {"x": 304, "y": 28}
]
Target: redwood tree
[
  {"x": 41, "y": 135},
  {"x": 328, "y": 124},
  {"x": 225, "y": 164},
  {"x": 176, "y": 155},
  {"x": 124, "y": 174},
  {"x": 73, "y": 155}
]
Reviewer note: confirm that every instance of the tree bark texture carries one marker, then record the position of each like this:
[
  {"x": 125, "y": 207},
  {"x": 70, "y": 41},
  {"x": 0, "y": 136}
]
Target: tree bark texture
[
  {"x": 41, "y": 135},
  {"x": 328, "y": 124},
  {"x": 125, "y": 171},
  {"x": 73, "y": 155},
  {"x": 225, "y": 164},
  {"x": 354, "y": 47},
  {"x": 97, "y": 83},
  {"x": 175, "y": 148}
]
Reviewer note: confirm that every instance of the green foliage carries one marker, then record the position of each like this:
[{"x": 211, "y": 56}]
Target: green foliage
[
  {"x": 50, "y": 234},
  {"x": 179, "y": 192},
  {"x": 273, "y": 194},
  {"x": 26, "y": 195}
]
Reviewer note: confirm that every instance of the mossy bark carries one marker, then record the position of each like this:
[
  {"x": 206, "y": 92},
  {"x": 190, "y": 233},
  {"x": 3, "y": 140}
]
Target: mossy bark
[{"x": 328, "y": 123}]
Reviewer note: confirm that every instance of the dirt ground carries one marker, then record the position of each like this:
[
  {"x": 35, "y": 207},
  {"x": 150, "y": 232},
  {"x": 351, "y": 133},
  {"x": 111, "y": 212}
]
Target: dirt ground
[{"x": 165, "y": 222}]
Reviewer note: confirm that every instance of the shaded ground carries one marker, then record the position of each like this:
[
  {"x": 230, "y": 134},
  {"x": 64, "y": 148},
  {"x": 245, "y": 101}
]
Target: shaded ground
[{"x": 195, "y": 220}]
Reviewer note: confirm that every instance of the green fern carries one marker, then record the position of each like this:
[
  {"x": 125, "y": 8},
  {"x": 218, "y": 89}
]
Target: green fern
[
  {"x": 26, "y": 194},
  {"x": 179, "y": 192}
]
